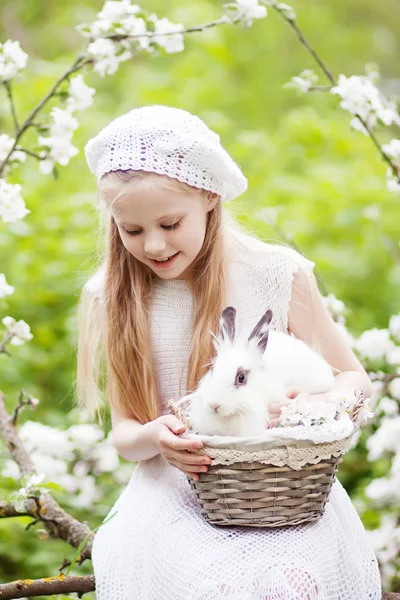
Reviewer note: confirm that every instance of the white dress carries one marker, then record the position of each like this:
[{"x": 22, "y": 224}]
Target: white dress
[{"x": 159, "y": 547}]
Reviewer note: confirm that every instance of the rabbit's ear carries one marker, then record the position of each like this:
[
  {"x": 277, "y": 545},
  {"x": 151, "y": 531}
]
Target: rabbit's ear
[
  {"x": 227, "y": 323},
  {"x": 261, "y": 330}
]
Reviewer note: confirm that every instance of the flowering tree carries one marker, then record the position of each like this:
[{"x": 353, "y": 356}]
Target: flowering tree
[{"x": 120, "y": 32}]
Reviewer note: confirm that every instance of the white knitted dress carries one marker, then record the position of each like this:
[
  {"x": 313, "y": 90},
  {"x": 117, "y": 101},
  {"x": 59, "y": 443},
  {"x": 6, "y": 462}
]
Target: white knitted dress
[{"x": 159, "y": 547}]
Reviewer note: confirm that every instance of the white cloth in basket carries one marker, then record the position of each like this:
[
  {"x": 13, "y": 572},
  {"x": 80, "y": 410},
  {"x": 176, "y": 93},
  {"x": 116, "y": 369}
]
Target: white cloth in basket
[{"x": 158, "y": 546}]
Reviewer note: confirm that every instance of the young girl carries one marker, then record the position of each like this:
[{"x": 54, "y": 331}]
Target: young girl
[{"x": 174, "y": 258}]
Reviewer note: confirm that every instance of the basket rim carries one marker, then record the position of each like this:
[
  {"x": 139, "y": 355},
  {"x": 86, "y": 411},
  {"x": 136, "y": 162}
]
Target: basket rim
[{"x": 294, "y": 457}]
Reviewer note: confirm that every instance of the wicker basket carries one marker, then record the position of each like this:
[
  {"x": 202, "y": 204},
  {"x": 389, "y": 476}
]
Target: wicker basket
[{"x": 268, "y": 488}]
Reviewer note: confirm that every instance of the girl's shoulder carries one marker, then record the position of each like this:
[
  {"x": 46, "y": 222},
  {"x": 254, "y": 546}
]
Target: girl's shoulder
[
  {"x": 95, "y": 284},
  {"x": 261, "y": 256}
]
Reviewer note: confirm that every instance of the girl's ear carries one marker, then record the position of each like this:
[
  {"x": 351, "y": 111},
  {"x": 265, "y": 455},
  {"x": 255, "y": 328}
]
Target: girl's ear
[{"x": 211, "y": 201}]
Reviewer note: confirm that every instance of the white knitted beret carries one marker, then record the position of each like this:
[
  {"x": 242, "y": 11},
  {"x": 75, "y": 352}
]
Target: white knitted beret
[{"x": 169, "y": 141}]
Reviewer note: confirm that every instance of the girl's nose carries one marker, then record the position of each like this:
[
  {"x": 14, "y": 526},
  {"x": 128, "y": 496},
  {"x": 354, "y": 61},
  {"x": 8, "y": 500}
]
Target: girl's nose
[{"x": 154, "y": 245}]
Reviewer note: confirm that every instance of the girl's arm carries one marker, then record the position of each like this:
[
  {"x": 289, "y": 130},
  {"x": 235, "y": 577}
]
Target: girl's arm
[
  {"x": 136, "y": 442},
  {"x": 310, "y": 321},
  {"x": 133, "y": 440}
]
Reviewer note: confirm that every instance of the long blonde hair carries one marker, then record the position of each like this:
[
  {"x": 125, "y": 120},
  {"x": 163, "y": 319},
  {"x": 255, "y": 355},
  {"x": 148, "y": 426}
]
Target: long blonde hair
[{"x": 114, "y": 346}]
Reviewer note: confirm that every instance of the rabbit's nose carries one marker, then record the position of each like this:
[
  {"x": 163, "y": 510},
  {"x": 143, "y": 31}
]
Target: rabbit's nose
[{"x": 215, "y": 406}]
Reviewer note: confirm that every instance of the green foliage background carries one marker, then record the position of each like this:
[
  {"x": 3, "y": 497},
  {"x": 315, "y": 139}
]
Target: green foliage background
[{"x": 297, "y": 151}]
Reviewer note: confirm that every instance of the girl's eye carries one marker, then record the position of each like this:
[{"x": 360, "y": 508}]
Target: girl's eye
[{"x": 169, "y": 227}]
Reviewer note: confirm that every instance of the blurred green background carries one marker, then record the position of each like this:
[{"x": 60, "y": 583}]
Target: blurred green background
[{"x": 297, "y": 152}]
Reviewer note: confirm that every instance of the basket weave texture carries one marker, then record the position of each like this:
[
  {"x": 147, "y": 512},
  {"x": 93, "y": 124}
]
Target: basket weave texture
[{"x": 277, "y": 487}]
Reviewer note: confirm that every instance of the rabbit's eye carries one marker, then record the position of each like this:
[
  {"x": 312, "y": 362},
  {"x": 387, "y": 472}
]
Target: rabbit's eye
[{"x": 241, "y": 377}]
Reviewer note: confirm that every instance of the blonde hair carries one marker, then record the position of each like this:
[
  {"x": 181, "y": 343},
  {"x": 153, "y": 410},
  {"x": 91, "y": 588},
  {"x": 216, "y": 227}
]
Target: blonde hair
[{"x": 114, "y": 347}]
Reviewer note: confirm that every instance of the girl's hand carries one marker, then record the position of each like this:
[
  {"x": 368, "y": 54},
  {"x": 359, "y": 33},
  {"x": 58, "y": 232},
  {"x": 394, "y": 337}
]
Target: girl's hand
[{"x": 176, "y": 450}]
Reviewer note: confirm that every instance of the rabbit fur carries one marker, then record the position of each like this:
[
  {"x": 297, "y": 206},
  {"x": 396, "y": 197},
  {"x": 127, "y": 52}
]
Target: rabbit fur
[{"x": 249, "y": 374}]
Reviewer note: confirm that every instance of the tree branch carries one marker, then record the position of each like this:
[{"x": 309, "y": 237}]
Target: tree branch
[
  {"x": 49, "y": 586},
  {"x": 59, "y": 523}
]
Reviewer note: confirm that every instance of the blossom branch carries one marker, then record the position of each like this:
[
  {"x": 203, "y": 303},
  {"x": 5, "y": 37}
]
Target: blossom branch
[
  {"x": 290, "y": 20},
  {"x": 292, "y": 23},
  {"x": 385, "y": 157},
  {"x": 30, "y": 153},
  {"x": 7, "y": 85},
  {"x": 78, "y": 64},
  {"x": 224, "y": 20}
]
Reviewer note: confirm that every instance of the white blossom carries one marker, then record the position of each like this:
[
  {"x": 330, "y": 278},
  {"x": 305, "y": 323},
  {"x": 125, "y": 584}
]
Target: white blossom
[
  {"x": 12, "y": 206},
  {"x": 307, "y": 412},
  {"x": 20, "y": 329},
  {"x": 80, "y": 94},
  {"x": 118, "y": 18},
  {"x": 377, "y": 392},
  {"x": 104, "y": 54},
  {"x": 345, "y": 399},
  {"x": 394, "y": 326},
  {"x": 6, "y": 143},
  {"x": 64, "y": 124},
  {"x": 385, "y": 542},
  {"x": 60, "y": 150},
  {"x": 361, "y": 97},
  {"x": 106, "y": 457},
  {"x": 112, "y": 13},
  {"x": 34, "y": 481},
  {"x": 303, "y": 82},
  {"x": 46, "y": 440},
  {"x": 12, "y": 59},
  {"x": 392, "y": 149},
  {"x": 84, "y": 437},
  {"x": 394, "y": 388},
  {"x": 370, "y": 121},
  {"x": 335, "y": 306},
  {"x": 249, "y": 10},
  {"x": 388, "y": 407},
  {"x": 170, "y": 43},
  {"x": 392, "y": 182},
  {"x": 372, "y": 212},
  {"x": 5, "y": 289},
  {"x": 374, "y": 344},
  {"x": 395, "y": 470},
  {"x": 34, "y": 401},
  {"x": 381, "y": 490},
  {"x": 58, "y": 144},
  {"x": 384, "y": 439},
  {"x": 116, "y": 11},
  {"x": 287, "y": 10},
  {"x": 89, "y": 493},
  {"x": 393, "y": 356}
]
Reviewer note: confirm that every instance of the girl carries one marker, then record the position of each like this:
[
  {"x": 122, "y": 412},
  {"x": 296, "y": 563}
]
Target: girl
[{"x": 174, "y": 259}]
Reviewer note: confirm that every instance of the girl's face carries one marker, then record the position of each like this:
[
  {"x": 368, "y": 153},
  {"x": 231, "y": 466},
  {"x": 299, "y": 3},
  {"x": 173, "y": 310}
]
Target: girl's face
[{"x": 159, "y": 221}]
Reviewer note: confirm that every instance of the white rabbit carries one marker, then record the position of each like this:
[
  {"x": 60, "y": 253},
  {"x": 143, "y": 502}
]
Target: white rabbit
[{"x": 233, "y": 396}]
